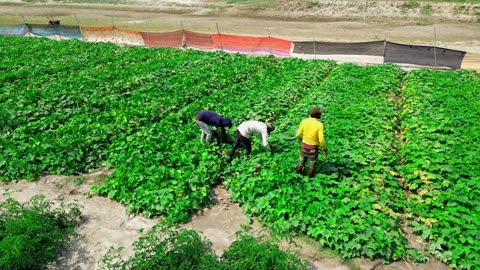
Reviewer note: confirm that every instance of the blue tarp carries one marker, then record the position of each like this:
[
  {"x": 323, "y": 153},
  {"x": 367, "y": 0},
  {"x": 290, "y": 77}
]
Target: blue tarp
[
  {"x": 70, "y": 32},
  {"x": 45, "y": 30},
  {"x": 13, "y": 30}
]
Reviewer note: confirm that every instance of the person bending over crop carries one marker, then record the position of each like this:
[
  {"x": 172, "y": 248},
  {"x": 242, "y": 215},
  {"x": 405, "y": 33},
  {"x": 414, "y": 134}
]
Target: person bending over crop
[
  {"x": 246, "y": 130},
  {"x": 310, "y": 133},
  {"x": 206, "y": 118}
]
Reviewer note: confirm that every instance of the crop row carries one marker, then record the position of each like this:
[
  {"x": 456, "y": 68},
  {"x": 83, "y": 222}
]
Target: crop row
[
  {"x": 355, "y": 204},
  {"x": 170, "y": 152},
  {"x": 65, "y": 121},
  {"x": 441, "y": 159},
  {"x": 70, "y": 106}
]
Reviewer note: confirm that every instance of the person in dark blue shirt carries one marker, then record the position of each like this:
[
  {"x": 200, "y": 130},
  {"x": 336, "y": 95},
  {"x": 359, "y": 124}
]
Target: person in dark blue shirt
[{"x": 206, "y": 118}]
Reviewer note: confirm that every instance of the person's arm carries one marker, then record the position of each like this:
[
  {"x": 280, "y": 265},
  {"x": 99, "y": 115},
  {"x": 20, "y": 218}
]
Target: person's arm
[
  {"x": 216, "y": 123},
  {"x": 300, "y": 131},
  {"x": 264, "y": 135},
  {"x": 321, "y": 141},
  {"x": 224, "y": 133}
]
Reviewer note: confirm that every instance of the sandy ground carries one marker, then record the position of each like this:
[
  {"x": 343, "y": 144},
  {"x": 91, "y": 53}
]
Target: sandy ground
[{"x": 106, "y": 224}]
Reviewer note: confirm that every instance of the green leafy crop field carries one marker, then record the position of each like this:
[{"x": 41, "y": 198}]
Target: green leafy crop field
[{"x": 403, "y": 146}]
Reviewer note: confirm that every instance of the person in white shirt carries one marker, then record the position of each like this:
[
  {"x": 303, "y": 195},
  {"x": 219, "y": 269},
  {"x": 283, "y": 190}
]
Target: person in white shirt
[{"x": 246, "y": 130}]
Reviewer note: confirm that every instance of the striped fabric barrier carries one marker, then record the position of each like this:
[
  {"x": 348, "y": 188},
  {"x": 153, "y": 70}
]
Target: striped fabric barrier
[
  {"x": 375, "y": 52},
  {"x": 98, "y": 34},
  {"x": 113, "y": 35},
  {"x": 252, "y": 45},
  {"x": 128, "y": 37}
]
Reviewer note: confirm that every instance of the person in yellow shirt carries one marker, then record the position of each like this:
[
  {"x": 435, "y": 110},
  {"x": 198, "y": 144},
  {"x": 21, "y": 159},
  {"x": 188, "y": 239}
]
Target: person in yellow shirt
[{"x": 310, "y": 133}]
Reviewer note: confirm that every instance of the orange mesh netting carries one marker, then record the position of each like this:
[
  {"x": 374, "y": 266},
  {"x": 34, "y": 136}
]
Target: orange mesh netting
[
  {"x": 98, "y": 34},
  {"x": 168, "y": 39},
  {"x": 471, "y": 61},
  {"x": 198, "y": 40},
  {"x": 252, "y": 45}
]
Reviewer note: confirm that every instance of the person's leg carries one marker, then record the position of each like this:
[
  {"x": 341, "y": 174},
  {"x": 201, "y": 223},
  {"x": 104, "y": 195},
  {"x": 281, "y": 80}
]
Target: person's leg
[
  {"x": 237, "y": 143},
  {"x": 248, "y": 145},
  {"x": 206, "y": 132},
  {"x": 303, "y": 158},
  {"x": 313, "y": 157},
  {"x": 209, "y": 134}
]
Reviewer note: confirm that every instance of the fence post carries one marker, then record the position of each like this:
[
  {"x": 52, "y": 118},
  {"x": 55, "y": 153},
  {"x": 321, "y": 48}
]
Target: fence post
[
  {"x": 58, "y": 31},
  {"x": 184, "y": 38},
  {"x": 435, "y": 45},
  {"x": 114, "y": 30},
  {"x": 269, "y": 41},
  {"x": 384, "y": 46},
  {"x": 219, "y": 37}
]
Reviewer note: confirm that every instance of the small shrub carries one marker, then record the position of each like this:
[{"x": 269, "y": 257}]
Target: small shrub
[
  {"x": 427, "y": 9},
  {"x": 33, "y": 232},
  {"x": 165, "y": 248},
  {"x": 410, "y": 5},
  {"x": 253, "y": 253},
  {"x": 313, "y": 5}
]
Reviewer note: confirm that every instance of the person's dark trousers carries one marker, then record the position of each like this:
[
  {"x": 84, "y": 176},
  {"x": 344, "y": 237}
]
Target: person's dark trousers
[{"x": 240, "y": 140}]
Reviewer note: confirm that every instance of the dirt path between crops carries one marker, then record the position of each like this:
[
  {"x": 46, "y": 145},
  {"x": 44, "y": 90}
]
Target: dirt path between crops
[{"x": 107, "y": 224}]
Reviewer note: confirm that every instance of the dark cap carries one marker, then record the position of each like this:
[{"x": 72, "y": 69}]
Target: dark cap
[
  {"x": 315, "y": 110},
  {"x": 227, "y": 122},
  {"x": 271, "y": 126}
]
